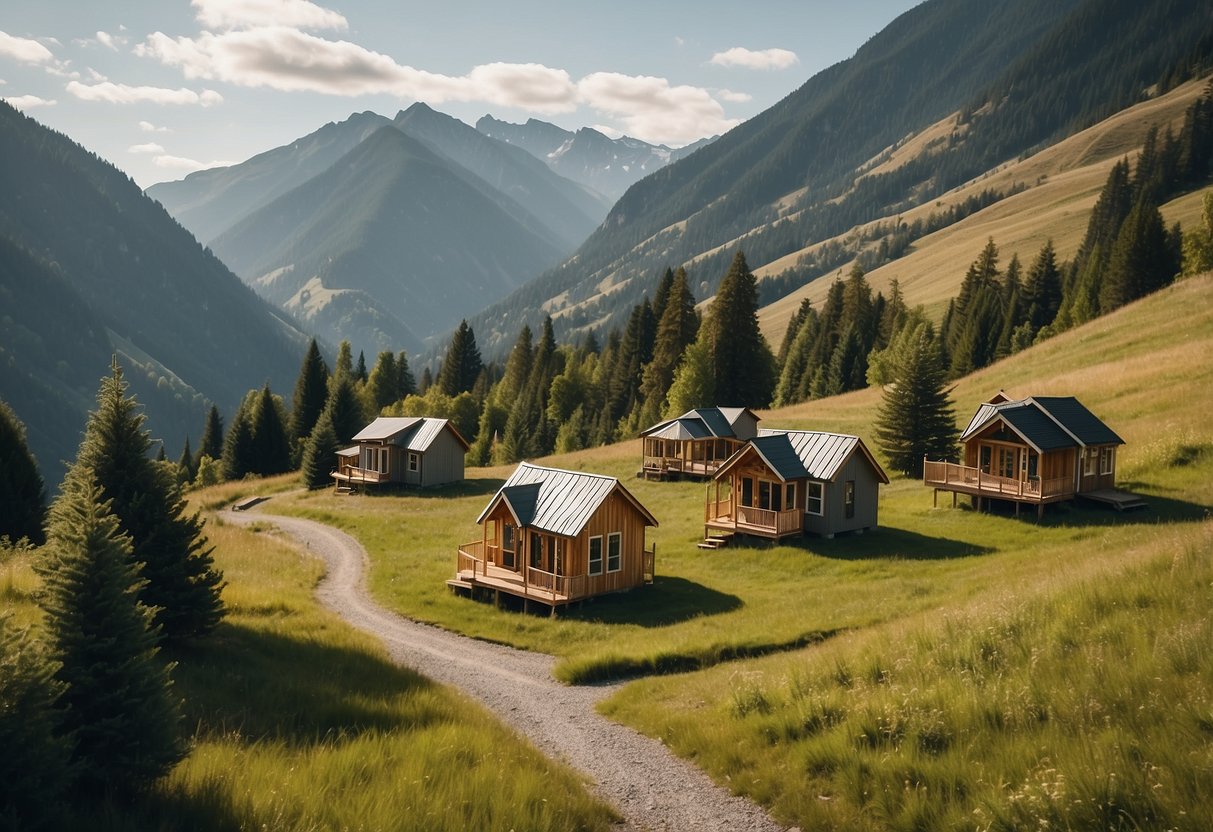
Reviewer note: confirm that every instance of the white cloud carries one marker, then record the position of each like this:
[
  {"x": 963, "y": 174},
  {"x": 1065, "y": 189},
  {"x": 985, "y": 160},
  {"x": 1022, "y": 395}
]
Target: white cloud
[
  {"x": 652, "y": 110},
  {"x": 237, "y": 14},
  {"x": 112, "y": 93},
  {"x": 734, "y": 97},
  {"x": 150, "y": 147},
  {"x": 293, "y": 61},
  {"x": 148, "y": 127},
  {"x": 24, "y": 50},
  {"x": 29, "y": 102},
  {"x": 181, "y": 163},
  {"x": 756, "y": 59}
]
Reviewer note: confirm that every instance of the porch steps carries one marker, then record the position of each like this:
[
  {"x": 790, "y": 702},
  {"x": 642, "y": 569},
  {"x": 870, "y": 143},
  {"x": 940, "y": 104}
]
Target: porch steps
[{"x": 715, "y": 540}]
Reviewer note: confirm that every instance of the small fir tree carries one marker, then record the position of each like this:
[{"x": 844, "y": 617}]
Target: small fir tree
[
  {"x": 742, "y": 362},
  {"x": 118, "y": 698},
  {"x": 319, "y": 452},
  {"x": 271, "y": 444},
  {"x": 462, "y": 363},
  {"x": 237, "y": 456},
  {"x": 311, "y": 393},
  {"x": 405, "y": 384},
  {"x": 212, "y": 437},
  {"x": 185, "y": 464},
  {"x": 345, "y": 410},
  {"x": 915, "y": 417},
  {"x": 22, "y": 495}
]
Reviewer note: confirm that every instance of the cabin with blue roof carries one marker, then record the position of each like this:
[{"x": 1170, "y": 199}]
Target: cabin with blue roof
[
  {"x": 557, "y": 536},
  {"x": 696, "y": 443},
  {"x": 1032, "y": 451},
  {"x": 788, "y": 482}
]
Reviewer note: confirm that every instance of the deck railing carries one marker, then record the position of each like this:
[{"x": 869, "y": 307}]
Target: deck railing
[
  {"x": 649, "y": 565},
  {"x": 717, "y": 508},
  {"x": 945, "y": 474},
  {"x": 365, "y": 475},
  {"x": 568, "y": 586},
  {"x": 471, "y": 557}
]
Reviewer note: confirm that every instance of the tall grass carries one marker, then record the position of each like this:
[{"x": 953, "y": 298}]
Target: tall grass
[
  {"x": 1084, "y": 705},
  {"x": 300, "y": 722}
]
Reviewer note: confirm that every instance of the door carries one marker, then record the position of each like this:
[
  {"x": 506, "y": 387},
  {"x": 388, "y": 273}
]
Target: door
[{"x": 1007, "y": 461}]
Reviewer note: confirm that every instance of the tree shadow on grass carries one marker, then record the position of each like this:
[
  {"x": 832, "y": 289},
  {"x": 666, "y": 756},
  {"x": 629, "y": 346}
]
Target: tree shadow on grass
[
  {"x": 887, "y": 542},
  {"x": 668, "y": 600},
  {"x": 260, "y": 684},
  {"x": 1085, "y": 512}
]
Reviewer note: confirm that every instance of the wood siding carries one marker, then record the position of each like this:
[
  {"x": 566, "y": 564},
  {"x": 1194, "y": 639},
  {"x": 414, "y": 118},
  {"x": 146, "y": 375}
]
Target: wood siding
[
  {"x": 833, "y": 519},
  {"x": 615, "y": 514},
  {"x": 442, "y": 462}
]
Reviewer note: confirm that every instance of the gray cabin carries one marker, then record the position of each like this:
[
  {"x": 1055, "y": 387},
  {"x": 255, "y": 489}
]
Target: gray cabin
[
  {"x": 405, "y": 450},
  {"x": 697, "y": 442},
  {"x": 788, "y": 482}
]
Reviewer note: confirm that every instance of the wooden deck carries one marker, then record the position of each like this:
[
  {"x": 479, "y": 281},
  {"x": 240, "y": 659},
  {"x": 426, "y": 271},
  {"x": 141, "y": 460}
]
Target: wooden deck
[
  {"x": 1119, "y": 500},
  {"x": 963, "y": 479},
  {"x": 656, "y": 467},
  {"x": 359, "y": 476},
  {"x": 760, "y": 522}
]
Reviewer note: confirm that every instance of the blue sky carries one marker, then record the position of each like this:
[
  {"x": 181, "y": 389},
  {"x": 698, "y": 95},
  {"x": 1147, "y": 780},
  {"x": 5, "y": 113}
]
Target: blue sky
[{"x": 163, "y": 88}]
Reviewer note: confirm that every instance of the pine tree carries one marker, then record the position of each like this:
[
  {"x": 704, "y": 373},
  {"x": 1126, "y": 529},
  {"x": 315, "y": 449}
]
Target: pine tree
[
  {"x": 517, "y": 368},
  {"x": 345, "y": 410},
  {"x": 119, "y": 704},
  {"x": 405, "y": 383},
  {"x": 1140, "y": 261},
  {"x": 743, "y": 365},
  {"x": 344, "y": 365},
  {"x": 694, "y": 380},
  {"x": 271, "y": 446},
  {"x": 676, "y": 330},
  {"x": 182, "y": 585},
  {"x": 624, "y": 386},
  {"x": 238, "y": 453},
  {"x": 915, "y": 417},
  {"x": 427, "y": 381},
  {"x": 1198, "y": 243},
  {"x": 22, "y": 494},
  {"x": 661, "y": 294},
  {"x": 462, "y": 363},
  {"x": 212, "y": 437},
  {"x": 383, "y": 385},
  {"x": 35, "y": 769},
  {"x": 360, "y": 368},
  {"x": 319, "y": 452},
  {"x": 185, "y": 464},
  {"x": 1113, "y": 205},
  {"x": 1042, "y": 288},
  {"x": 311, "y": 393}
]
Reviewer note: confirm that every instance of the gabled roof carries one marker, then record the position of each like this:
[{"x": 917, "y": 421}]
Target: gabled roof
[
  {"x": 804, "y": 454},
  {"x": 557, "y": 501},
  {"x": 413, "y": 433},
  {"x": 353, "y": 451},
  {"x": 1047, "y": 423},
  {"x": 700, "y": 423}
]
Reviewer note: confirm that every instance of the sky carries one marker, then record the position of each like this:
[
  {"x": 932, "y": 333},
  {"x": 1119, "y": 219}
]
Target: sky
[{"x": 162, "y": 88}]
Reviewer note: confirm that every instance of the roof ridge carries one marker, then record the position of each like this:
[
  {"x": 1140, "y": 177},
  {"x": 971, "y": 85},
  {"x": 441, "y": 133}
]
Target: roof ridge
[
  {"x": 819, "y": 432},
  {"x": 567, "y": 471}
]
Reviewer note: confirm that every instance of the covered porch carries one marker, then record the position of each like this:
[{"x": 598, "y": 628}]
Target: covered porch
[
  {"x": 972, "y": 480},
  {"x": 758, "y": 507},
  {"x": 697, "y": 457}
]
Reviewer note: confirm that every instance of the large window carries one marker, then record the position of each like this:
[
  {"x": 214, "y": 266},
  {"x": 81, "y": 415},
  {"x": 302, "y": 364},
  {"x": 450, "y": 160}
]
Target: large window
[
  {"x": 507, "y": 546},
  {"x": 1107, "y": 457},
  {"x": 375, "y": 459},
  {"x": 1089, "y": 456},
  {"x": 614, "y": 551},
  {"x": 848, "y": 498},
  {"x": 596, "y": 555},
  {"x": 813, "y": 498}
]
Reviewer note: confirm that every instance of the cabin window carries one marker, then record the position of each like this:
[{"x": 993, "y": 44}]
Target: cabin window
[
  {"x": 558, "y": 566},
  {"x": 1106, "y": 457},
  {"x": 722, "y": 449},
  {"x": 414, "y": 461},
  {"x": 596, "y": 555},
  {"x": 658, "y": 447},
  {"x": 536, "y": 551},
  {"x": 813, "y": 498},
  {"x": 764, "y": 494},
  {"x": 789, "y": 496},
  {"x": 507, "y": 545},
  {"x": 1088, "y": 462},
  {"x": 984, "y": 458},
  {"x": 614, "y": 551},
  {"x": 848, "y": 498},
  {"x": 747, "y": 491}
]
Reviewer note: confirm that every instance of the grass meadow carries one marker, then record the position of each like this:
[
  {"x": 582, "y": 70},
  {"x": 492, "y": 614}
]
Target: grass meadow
[{"x": 300, "y": 722}]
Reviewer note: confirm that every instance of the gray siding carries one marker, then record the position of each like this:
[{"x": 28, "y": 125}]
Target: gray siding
[
  {"x": 441, "y": 463},
  {"x": 867, "y": 492},
  {"x": 746, "y": 426}
]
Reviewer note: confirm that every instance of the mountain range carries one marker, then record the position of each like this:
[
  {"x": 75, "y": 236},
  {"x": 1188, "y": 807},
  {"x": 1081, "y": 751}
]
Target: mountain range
[
  {"x": 91, "y": 268},
  {"x": 1007, "y": 79}
]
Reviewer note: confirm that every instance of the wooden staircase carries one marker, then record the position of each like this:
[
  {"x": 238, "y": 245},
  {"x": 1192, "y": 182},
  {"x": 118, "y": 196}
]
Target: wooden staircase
[{"x": 715, "y": 540}]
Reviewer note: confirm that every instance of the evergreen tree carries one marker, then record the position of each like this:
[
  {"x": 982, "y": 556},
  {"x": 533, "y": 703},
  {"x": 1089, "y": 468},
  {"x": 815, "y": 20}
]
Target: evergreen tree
[
  {"x": 22, "y": 495},
  {"x": 1140, "y": 261},
  {"x": 796, "y": 375},
  {"x": 271, "y": 446},
  {"x": 118, "y": 701},
  {"x": 694, "y": 380},
  {"x": 1198, "y": 243},
  {"x": 623, "y": 390},
  {"x": 517, "y": 368},
  {"x": 182, "y": 586},
  {"x": 662, "y": 294},
  {"x": 345, "y": 362},
  {"x": 185, "y": 464},
  {"x": 319, "y": 452},
  {"x": 405, "y": 384},
  {"x": 383, "y": 385},
  {"x": 743, "y": 365},
  {"x": 345, "y": 410},
  {"x": 462, "y": 363},
  {"x": 1042, "y": 288},
  {"x": 1113, "y": 205},
  {"x": 676, "y": 330},
  {"x": 161, "y": 454},
  {"x": 238, "y": 452},
  {"x": 212, "y": 437},
  {"x": 789, "y": 335},
  {"x": 35, "y": 769},
  {"x": 360, "y": 369},
  {"x": 311, "y": 392},
  {"x": 427, "y": 381},
  {"x": 848, "y": 368},
  {"x": 915, "y": 417}
]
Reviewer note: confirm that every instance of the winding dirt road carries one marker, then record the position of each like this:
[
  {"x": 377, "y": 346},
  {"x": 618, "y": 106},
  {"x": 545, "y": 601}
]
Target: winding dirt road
[{"x": 651, "y": 788}]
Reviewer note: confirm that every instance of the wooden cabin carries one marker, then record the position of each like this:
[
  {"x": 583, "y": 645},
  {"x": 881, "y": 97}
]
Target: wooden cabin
[
  {"x": 557, "y": 536},
  {"x": 405, "y": 450},
  {"x": 788, "y": 482},
  {"x": 696, "y": 443},
  {"x": 1033, "y": 451}
]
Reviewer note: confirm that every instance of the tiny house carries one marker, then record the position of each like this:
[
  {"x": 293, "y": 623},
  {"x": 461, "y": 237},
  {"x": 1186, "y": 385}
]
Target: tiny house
[
  {"x": 1033, "y": 451},
  {"x": 788, "y": 482},
  {"x": 557, "y": 536},
  {"x": 407, "y": 450},
  {"x": 696, "y": 443}
]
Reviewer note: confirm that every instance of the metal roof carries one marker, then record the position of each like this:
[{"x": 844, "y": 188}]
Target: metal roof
[
  {"x": 680, "y": 429},
  {"x": 780, "y": 456},
  {"x": 1047, "y": 423},
  {"x": 349, "y": 451},
  {"x": 557, "y": 501},
  {"x": 701, "y": 423},
  {"x": 413, "y": 433},
  {"x": 715, "y": 421},
  {"x": 818, "y": 455}
]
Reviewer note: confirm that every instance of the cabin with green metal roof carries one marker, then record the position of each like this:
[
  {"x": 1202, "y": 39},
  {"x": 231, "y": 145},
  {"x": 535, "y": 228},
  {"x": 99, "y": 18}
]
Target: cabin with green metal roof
[
  {"x": 1032, "y": 451},
  {"x": 402, "y": 450},
  {"x": 788, "y": 482},
  {"x": 557, "y": 536}
]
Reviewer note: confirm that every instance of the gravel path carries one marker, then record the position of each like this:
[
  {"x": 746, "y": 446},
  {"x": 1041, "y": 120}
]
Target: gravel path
[{"x": 651, "y": 787}]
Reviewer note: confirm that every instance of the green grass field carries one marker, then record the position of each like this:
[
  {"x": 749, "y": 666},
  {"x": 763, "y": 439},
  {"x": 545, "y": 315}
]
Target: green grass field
[{"x": 300, "y": 722}]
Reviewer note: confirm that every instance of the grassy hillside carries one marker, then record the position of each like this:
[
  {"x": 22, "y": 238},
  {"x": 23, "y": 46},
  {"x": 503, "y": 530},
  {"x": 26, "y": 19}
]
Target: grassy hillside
[
  {"x": 1063, "y": 182},
  {"x": 301, "y": 722},
  {"x": 1145, "y": 369}
]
